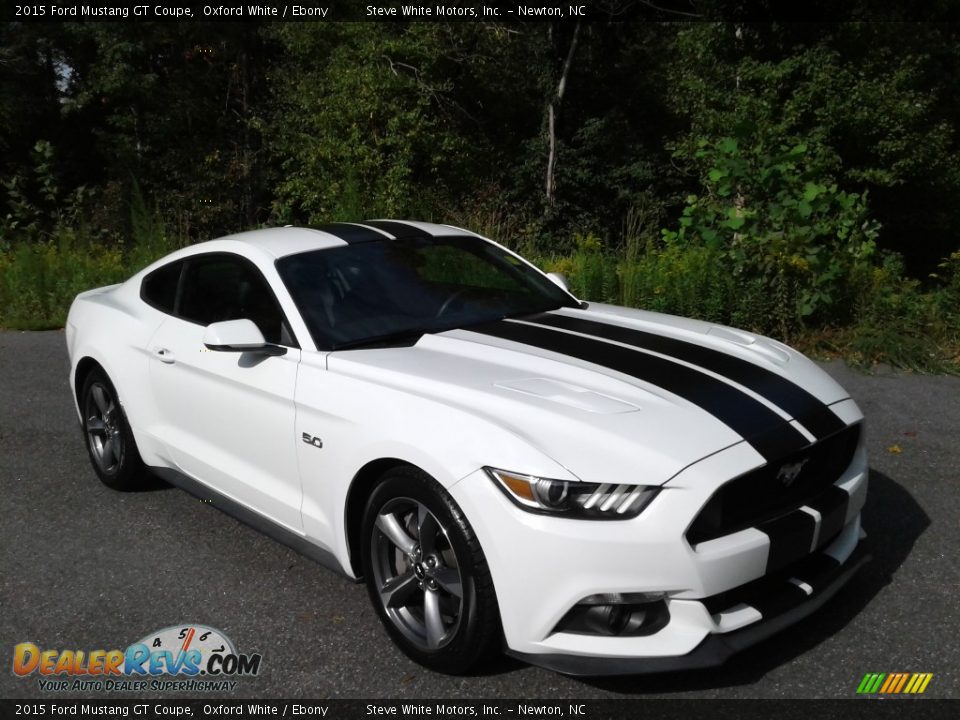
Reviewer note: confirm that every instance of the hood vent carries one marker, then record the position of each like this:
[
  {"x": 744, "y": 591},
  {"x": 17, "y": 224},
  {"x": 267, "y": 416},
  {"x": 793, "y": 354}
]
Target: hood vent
[{"x": 569, "y": 395}]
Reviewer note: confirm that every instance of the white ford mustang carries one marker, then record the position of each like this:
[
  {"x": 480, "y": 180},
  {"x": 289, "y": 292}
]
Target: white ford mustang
[{"x": 597, "y": 490}]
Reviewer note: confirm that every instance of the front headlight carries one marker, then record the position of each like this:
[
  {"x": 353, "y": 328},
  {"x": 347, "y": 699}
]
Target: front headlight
[{"x": 610, "y": 501}]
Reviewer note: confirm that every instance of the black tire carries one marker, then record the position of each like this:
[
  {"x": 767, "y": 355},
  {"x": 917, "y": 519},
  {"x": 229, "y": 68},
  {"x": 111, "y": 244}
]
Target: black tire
[
  {"x": 110, "y": 444},
  {"x": 415, "y": 588}
]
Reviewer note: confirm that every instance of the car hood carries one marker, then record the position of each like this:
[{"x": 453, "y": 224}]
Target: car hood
[{"x": 660, "y": 394}]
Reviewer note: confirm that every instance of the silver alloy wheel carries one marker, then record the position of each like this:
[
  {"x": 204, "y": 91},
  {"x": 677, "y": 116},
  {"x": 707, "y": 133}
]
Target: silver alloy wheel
[
  {"x": 102, "y": 424},
  {"x": 417, "y": 574}
]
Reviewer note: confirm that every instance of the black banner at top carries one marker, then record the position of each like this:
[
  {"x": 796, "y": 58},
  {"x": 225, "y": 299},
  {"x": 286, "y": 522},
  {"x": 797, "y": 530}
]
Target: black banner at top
[{"x": 484, "y": 11}]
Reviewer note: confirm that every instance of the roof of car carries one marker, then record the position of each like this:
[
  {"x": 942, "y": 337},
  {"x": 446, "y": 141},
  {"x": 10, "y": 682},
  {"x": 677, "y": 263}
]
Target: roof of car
[
  {"x": 268, "y": 244},
  {"x": 288, "y": 240}
]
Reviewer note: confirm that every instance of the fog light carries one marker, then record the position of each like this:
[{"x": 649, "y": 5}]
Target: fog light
[
  {"x": 617, "y": 614},
  {"x": 607, "y": 619}
]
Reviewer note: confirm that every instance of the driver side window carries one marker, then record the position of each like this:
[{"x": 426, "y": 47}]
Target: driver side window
[{"x": 224, "y": 287}]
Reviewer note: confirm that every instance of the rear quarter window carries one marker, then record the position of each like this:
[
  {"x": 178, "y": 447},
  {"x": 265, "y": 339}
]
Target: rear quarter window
[{"x": 159, "y": 288}]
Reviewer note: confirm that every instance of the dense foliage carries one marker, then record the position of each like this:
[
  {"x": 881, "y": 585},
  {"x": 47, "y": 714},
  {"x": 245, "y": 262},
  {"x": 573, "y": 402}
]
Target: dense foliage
[{"x": 798, "y": 179}]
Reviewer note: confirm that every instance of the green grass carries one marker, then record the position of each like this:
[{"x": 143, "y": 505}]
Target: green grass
[
  {"x": 884, "y": 316},
  {"x": 38, "y": 280}
]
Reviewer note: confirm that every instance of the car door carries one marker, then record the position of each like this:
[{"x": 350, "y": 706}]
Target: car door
[{"x": 227, "y": 418}]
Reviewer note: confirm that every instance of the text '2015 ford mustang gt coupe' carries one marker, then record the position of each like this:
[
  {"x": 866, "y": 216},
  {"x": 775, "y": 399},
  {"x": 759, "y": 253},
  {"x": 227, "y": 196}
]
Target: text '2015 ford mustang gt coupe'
[{"x": 594, "y": 489}]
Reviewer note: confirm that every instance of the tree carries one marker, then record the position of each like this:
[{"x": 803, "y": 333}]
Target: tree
[
  {"x": 368, "y": 120},
  {"x": 870, "y": 100},
  {"x": 168, "y": 107}
]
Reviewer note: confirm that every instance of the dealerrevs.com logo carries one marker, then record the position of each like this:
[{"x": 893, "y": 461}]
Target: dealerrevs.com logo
[{"x": 196, "y": 657}]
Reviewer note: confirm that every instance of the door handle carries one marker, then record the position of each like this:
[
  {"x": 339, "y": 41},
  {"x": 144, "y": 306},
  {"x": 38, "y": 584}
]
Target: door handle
[{"x": 164, "y": 355}]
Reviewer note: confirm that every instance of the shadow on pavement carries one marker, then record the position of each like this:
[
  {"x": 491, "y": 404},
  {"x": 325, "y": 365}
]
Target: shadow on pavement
[
  {"x": 893, "y": 521},
  {"x": 151, "y": 482}
]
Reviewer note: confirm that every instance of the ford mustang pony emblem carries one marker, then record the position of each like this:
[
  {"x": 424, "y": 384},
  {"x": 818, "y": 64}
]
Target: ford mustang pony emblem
[{"x": 789, "y": 472}]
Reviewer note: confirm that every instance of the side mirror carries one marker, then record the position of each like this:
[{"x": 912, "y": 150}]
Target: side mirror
[
  {"x": 239, "y": 336},
  {"x": 560, "y": 280}
]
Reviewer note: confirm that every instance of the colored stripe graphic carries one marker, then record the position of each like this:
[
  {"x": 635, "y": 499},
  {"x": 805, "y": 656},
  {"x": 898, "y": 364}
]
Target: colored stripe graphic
[
  {"x": 899, "y": 686},
  {"x": 765, "y": 430},
  {"x": 891, "y": 680},
  {"x": 894, "y": 683},
  {"x": 814, "y": 415}
]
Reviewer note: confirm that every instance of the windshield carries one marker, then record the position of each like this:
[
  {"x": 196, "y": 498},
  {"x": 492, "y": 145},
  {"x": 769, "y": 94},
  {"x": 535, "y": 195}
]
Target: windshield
[{"x": 392, "y": 290}]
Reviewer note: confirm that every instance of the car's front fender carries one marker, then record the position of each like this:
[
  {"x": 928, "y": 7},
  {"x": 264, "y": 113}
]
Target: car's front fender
[{"x": 345, "y": 423}]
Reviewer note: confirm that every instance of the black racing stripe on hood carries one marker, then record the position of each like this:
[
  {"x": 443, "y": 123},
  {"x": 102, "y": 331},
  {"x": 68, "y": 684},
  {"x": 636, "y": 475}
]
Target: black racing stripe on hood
[
  {"x": 397, "y": 229},
  {"x": 351, "y": 233},
  {"x": 767, "y": 432},
  {"x": 810, "y": 412}
]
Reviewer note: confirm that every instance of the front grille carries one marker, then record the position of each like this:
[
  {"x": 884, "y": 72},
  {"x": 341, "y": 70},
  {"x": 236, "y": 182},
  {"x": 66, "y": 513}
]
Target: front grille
[{"x": 761, "y": 495}]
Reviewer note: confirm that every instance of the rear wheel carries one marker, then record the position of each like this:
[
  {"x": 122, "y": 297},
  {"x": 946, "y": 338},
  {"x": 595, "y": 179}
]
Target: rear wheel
[
  {"x": 110, "y": 444},
  {"x": 427, "y": 575}
]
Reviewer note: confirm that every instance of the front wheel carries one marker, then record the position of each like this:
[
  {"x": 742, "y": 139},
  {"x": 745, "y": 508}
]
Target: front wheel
[
  {"x": 427, "y": 575},
  {"x": 110, "y": 444}
]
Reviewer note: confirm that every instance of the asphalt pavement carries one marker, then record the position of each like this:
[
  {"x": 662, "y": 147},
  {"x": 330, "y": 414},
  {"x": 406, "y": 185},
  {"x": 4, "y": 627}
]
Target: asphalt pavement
[{"x": 84, "y": 567}]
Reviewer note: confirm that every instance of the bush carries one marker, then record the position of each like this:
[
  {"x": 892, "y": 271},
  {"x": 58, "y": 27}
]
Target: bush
[
  {"x": 40, "y": 278},
  {"x": 895, "y": 321},
  {"x": 692, "y": 281},
  {"x": 775, "y": 216},
  {"x": 881, "y": 316}
]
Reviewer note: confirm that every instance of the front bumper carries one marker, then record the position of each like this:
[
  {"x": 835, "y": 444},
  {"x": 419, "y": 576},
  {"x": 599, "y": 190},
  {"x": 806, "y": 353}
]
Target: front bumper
[
  {"x": 720, "y": 594},
  {"x": 715, "y": 648}
]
